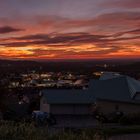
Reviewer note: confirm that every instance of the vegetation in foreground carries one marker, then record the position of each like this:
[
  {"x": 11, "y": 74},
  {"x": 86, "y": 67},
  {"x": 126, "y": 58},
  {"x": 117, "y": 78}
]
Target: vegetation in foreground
[{"x": 24, "y": 131}]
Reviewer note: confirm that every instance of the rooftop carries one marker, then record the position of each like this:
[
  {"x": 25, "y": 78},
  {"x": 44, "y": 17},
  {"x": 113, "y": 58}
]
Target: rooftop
[{"x": 121, "y": 88}]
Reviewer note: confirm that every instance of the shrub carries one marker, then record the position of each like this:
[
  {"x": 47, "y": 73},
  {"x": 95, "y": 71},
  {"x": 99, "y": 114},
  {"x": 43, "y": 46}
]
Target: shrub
[
  {"x": 130, "y": 119},
  {"x": 25, "y": 131}
]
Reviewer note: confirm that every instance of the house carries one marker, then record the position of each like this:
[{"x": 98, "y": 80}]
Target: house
[
  {"x": 121, "y": 93},
  {"x": 66, "y": 101}
]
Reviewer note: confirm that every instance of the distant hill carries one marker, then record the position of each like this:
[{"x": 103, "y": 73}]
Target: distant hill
[{"x": 77, "y": 66}]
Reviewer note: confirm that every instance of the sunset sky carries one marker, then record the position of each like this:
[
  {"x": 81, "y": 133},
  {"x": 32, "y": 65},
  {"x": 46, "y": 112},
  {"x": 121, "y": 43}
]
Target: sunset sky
[{"x": 69, "y": 29}]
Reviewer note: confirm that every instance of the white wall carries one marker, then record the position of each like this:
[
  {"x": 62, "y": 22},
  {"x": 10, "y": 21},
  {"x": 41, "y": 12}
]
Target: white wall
[{"x": 44, "y": 106}]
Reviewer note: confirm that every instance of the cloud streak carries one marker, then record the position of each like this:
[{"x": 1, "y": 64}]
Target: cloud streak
[{"x": 9, "y": 29}]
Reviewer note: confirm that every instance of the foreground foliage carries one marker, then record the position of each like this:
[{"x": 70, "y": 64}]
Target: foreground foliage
[{"x": 25, "y": 131}]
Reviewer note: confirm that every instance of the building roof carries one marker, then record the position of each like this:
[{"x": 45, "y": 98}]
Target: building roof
[
  {"x": 122, "y": 88},
  {"x": 134, "y": 86},
  {"x": 68, "y": 96},
  {"x": 109, "y": 75},
  {"x": 111, "y": 89}
]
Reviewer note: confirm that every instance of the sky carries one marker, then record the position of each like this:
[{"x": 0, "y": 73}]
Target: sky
[{"x": 69, "y": 29}]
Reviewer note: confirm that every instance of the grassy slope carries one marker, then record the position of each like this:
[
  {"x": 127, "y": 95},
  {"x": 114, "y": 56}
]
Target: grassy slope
[{"x": 22, "y": 131}]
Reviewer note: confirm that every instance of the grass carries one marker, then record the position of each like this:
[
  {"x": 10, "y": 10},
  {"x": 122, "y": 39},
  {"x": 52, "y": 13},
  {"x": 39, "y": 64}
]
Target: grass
[
  {"x": 121, "y": 130},
  {"x": 24, "y": 131}
]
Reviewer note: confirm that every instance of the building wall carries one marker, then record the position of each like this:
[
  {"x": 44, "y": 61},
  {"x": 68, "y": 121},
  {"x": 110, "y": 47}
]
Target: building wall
[
  {"x": 108, "y": 107},
  {"x": 44, "y": 106},
  {"x": 86, "y": 109},
  {"x": 64, "y": 109},
  {"x": 70, "y": 109}
]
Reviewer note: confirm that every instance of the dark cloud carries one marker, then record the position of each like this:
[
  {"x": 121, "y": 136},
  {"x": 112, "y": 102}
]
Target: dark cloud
[
  {"x": 69, "y": 39},
  {"x": 105, "y": 23},
  {"x": 8, "y": 29},
  {"x": 136, "y": 31},
  {"x": 47, "y": 39},
  {"x": 34, "y": 37}
]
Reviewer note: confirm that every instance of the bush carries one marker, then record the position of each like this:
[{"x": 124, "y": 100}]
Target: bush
[
  {"x": 130, "y": 119},
  {"x": 25, "y": 131}
]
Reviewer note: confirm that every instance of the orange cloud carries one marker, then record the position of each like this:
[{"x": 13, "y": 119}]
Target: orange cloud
[{"x": 111, "y": 35}]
